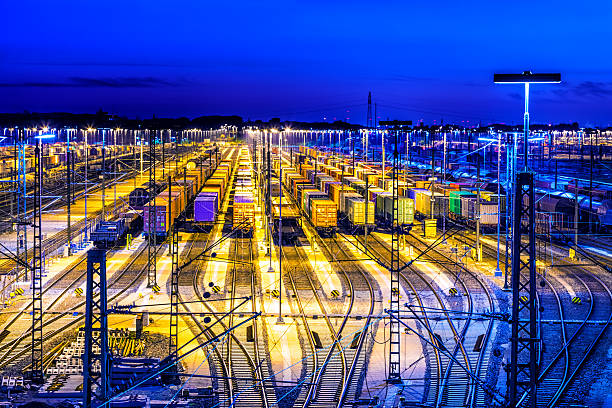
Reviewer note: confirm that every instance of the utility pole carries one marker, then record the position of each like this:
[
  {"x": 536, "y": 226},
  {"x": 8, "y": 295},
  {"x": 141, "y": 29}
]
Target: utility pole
[
  {"x": 576, "y": 205},
  {"x": 365, "y": 230},
  {"x": 115, "y": 174},
  {"x": 280, "y": 241},
  {"x": 68, "y": 194},
  {"x": 86, "y": 171},
  {"x": 174, "y": 288},
  {"x": 152, "y": 217},
  {"x": 523, "y": 372},
  {"x": 477, "y": 207},
  {"x": 431, "y": 184},
  {"x": 382, "y": 143},
  {"x": 497, "y": 270},
  {"x": 22, "y": 231},
  {"x": 103, "y": 175},
  {"x": 394, "y": 324},
  {"x": 96, "y": 358},
  {"x": 353, "y": 141},
  {"x": 591, "y": 186},
  {"x": 37, "y": 374},
  {"x": 523, "y": 369}
]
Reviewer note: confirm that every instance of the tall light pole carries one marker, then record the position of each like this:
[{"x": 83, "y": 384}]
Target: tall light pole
[
  {"x": 526, "y": 78},
  {"x": 497, "y": 270},
  {"x": 280, "y": 231},
  {"x": 523, "y": 367}
]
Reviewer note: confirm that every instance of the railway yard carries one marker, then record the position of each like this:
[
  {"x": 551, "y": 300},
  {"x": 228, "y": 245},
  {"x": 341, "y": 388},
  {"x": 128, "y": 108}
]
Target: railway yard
[{"x": 275, "y": 268}]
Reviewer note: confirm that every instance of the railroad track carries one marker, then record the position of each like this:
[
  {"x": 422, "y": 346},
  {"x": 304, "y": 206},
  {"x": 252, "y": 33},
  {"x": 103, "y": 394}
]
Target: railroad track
[
  {"x": 243, "y": 353},
  {"x": 55, "y": 324},
  {"x": 560, "y": 365},
  {"x": 329, "y": 364},
  {"x": 244, "y": 379},
  {"x": 453, "y": 385},
  {"x": 333, "y": 377}
]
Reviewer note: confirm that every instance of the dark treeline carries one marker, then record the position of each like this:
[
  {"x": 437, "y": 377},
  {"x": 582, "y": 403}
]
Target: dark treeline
[{"x": 103, "y": 119}]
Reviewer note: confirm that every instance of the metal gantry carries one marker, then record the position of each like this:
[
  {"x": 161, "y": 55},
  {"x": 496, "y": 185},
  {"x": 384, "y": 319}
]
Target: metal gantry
[
  {"x": 152, "y": 217},
  {"x": 174, "y": 294},
  {"x": 523, "y": 372},
  {"x": 174, "y": 300},
  {"x": 37, "y": 272},
  {"x": 96, "y": 358},
  {"x": 394, "y": 325},
  {"x": 21, "y": 193}
]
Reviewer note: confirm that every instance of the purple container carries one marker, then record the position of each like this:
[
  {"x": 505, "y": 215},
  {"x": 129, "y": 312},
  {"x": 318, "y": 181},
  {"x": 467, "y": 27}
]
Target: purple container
[
  {"x": 243, "y": 199},
  {"x": 205, "y": 207}
]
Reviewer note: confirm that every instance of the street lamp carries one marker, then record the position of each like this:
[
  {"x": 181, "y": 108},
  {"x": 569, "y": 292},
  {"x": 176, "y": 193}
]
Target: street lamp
[{"x": 526, "y": 78}]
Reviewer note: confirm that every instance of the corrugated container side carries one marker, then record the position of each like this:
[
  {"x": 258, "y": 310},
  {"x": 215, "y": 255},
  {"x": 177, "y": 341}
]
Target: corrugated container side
[{"x": 324, "y": 213}]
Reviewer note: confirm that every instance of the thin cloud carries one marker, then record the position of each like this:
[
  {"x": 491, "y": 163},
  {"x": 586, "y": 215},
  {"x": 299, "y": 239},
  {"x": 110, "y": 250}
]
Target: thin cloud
[
  {"x": 597, "y": 89},
  {"x": 84, "y": 82}
]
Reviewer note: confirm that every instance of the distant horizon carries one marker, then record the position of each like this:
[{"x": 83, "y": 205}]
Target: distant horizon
[{"x": 282, "y": 120}]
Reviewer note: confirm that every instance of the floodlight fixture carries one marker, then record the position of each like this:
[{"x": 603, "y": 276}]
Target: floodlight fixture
[{"x": 526, "y": 78}]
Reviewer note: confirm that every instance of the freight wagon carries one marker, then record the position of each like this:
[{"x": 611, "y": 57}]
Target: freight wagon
[
  {"x": 404, "y": 215},
  {"x": 109, "y": 234},
  {"x": 143, "y": 194},
  {"x": 360, "y": 214},
  {"x": 291, "y": 225},
  {"x": 163, "y": 209}
]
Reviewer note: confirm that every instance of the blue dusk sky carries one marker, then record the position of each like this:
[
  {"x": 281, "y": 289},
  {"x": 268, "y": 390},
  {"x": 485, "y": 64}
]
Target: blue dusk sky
[{"x": 307, "y": 60}]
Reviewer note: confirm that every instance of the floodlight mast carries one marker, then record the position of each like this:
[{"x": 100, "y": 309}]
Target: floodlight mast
[
  {"x": 523, "y": 367},
  {"x": 526, "y": 78}
]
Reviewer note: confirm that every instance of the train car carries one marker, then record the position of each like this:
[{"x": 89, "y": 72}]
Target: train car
[
  {"x": 206, "y": 207},
  {"x": 244, "y": 213},
  {"x": 110, "y": 234},
  {"x": 384, "y": 211},
  {"x": 308, "y": 195},
  {"x": 422, "y": 202},
  {"x": 291, "y": 225},
  {"x": 604, "y": 216},
  {"x": 360, "y": 213},
  {"x": 324, "y": 216},
  {"x": 164, "y": 209},
  {"x": 143, "y": 194},
  {"x": 456, "y": 199}
]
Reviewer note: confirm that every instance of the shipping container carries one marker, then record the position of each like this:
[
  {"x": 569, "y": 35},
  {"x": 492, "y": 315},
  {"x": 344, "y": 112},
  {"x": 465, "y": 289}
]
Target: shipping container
[
  {"x": 455, "y": 201},
  {"x": 206, "y": 207},
  {"x": 384, "y": 209},
  {"x": 309, "y": 196},
  {"x": 324, "y": 213},
  {"x": 357, "y": 212},
  {"x": 244, "y": 212}
]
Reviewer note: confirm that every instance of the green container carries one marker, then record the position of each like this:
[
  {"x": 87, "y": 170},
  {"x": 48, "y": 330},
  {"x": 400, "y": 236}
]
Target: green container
[
  {"x": 405, "y": 208},
  {"x": 454, "y": 205}
]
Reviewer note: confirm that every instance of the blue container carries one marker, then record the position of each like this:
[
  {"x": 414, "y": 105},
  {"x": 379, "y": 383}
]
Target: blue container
[{"x": 206, "y": 207}]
